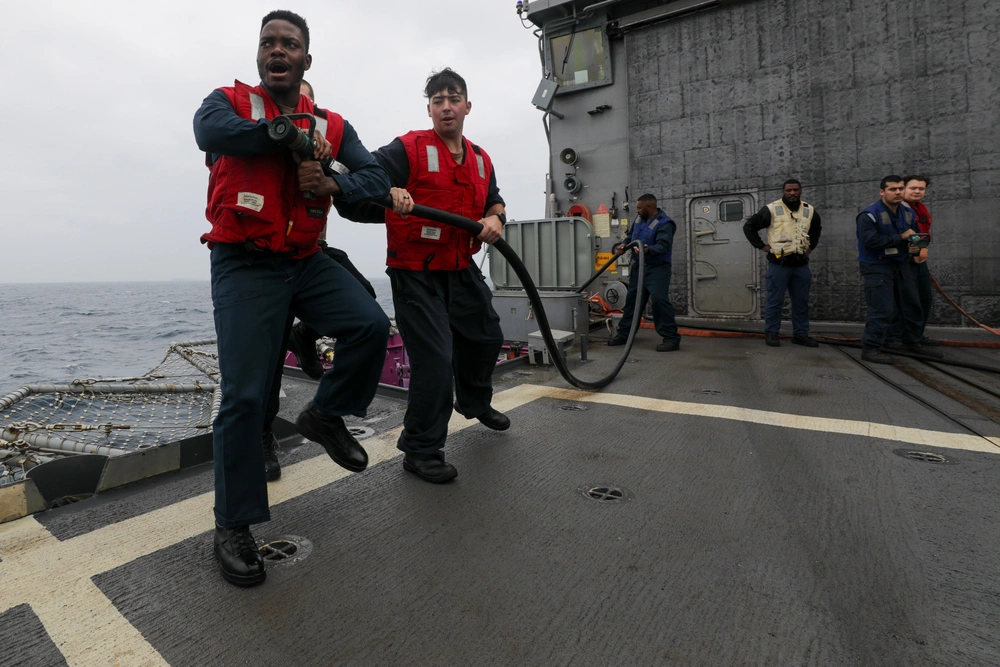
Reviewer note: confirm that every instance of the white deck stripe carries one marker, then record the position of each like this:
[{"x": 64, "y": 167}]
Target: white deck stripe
[
  {"x": 901, "y": 434},
  {"x": 89, "y": 630}
]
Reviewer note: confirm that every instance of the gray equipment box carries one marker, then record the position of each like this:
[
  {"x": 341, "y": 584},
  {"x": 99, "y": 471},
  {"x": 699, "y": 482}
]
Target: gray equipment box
[{"x": 565, "y": 310}]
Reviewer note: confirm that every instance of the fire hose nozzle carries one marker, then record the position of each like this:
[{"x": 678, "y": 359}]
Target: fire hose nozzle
[
  {"x": 284, "y": 132},
  {"x": 919, "y": 240}
]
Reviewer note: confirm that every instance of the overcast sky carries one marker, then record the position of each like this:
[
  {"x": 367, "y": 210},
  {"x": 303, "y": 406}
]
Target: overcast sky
[{"x": 100, "y": 177}]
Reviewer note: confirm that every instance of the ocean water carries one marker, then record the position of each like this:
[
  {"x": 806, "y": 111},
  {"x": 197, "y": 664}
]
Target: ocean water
[{"x": 58, "y": 332}]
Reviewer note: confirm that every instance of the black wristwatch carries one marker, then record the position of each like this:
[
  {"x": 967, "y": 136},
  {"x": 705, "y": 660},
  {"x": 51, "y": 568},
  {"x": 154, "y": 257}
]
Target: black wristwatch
[{"x": 503, "y": 218}]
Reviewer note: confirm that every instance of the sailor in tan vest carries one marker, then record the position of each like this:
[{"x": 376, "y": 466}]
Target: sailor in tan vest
[{"x": 793, "y": 229}]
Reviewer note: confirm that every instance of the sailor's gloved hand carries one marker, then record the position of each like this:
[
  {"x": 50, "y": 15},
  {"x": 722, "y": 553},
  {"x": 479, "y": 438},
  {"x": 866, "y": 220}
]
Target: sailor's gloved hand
[{"x": 491, "y": 229}]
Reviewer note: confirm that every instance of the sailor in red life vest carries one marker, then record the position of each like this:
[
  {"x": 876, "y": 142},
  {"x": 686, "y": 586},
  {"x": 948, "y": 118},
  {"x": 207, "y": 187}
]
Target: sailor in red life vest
[
  {"x": 266, "y": 265},
  {"x": 913, "y": 196},
  {"x": 443, "y": 305}
]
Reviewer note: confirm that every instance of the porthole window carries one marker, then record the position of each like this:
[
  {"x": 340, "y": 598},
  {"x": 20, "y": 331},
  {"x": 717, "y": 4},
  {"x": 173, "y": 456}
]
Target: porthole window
[{"x": 731, "y": 211}]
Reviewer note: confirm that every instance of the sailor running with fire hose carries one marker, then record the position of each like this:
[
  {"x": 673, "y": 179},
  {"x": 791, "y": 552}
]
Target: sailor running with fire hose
[
  {"x": 267, "y": 207},
  {"x": 443, "y": 305}
]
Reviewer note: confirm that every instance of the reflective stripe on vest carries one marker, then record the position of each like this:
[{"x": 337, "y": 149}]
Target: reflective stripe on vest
[
  {"x": 482, "y": 166},
  {"x": 256, "y": 107},
  {"x": 432, "y": 159},
  {"x": 320, "y": 125}
]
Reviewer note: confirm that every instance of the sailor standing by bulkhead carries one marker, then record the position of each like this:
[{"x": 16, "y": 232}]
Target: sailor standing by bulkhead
[
  {"x": 267, "y": 208},
  {"x": 883, "y": 253},
  {"x": 443, "y": 305},
  {"x": 793, "y": 229}
]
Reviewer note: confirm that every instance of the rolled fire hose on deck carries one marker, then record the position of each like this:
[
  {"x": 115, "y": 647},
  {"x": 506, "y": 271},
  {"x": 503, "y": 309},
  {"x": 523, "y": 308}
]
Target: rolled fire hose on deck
[{"x": 508, "y": 253}]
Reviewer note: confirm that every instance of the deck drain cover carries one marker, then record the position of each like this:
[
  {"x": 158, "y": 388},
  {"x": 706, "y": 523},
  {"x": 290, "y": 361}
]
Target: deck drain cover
[
  {"x": 923, "y": 457},
  {"x": 573, "y": 408},
  {"x": 605, "y": 493},
  {"x": 284, "y": 550},
  {"x": 835, "y": 377},
  {"x": 361, "y": 432},
  {"x": 631, "y": 361}
]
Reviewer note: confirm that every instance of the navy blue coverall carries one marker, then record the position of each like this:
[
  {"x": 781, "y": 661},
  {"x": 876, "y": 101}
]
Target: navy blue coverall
[
  {"x": 890, "y": 283},
  {"x": 446, "y": 318},
  {"x": 253, "y": 294},
  {"x": 656, "y": 285}
]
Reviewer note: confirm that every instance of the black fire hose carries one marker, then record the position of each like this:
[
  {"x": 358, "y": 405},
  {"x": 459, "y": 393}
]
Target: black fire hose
[{"x": 508, "y": 253}]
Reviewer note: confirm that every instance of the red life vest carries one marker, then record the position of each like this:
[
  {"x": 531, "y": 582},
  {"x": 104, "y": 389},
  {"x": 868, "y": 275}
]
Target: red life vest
[
  {"x": 436, "y": 180},
  {"x": 258, "y": 198}
]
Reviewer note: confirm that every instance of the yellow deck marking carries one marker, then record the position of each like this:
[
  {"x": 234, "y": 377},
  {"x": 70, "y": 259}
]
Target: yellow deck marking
[
  {"x": 901, "y": 434},
  {"x": 55, "y": 578}
]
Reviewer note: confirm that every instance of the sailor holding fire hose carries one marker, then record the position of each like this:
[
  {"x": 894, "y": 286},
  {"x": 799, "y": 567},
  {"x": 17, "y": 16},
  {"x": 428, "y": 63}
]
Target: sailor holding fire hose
[
  {"x": 443, "y": 305},
  {"x": 267, "y": 207}
]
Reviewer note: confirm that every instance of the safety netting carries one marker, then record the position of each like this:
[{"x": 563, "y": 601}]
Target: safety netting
[{"x": 176, "y": 400}]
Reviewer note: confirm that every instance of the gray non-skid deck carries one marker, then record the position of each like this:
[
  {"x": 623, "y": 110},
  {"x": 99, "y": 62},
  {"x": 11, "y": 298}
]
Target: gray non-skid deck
[{"x": 742, "y": 543}]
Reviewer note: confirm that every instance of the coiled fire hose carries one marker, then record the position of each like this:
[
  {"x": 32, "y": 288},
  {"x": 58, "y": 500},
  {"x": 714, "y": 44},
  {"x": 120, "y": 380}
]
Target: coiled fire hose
[{"x": 508, "y": 253}]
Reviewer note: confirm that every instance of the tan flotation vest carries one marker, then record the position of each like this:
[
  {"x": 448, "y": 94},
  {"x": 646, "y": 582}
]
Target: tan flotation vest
[{"x": 789, "y": 230}]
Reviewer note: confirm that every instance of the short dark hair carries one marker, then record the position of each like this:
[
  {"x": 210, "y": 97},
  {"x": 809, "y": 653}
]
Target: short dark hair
[
  {"x": 891, "y": 178},
  {"x": 791, "y": 181},
  {"x": 916, "y": 177},
  {"x": 291, "y": 17},
  {"x": 446, "y": 79},
  {"x": 647, "y": 197}
]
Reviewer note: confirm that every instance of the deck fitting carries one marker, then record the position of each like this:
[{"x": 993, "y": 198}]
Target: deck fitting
[
  {"x": 923, "y": 457},
  {"x": 284, "y": 550},
  {"x": 605, "y": 493}
]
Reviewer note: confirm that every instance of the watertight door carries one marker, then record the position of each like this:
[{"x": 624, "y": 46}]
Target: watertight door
[{"x": 723, "y": 263}]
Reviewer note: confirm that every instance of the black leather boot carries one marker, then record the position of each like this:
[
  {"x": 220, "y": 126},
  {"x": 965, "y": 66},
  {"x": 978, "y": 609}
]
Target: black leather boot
[
  {"x": 919, "y": 348},
  {"x": 239, "y": 560},
  {"x": 272, "y": 469},
  {"x": 875, "y": 356},
  {"x": 493, "y": 419},
  {"x": 433, "y": 468},
  {"x": 332, "y": 434},
  {"x": 303, "y": 346}
]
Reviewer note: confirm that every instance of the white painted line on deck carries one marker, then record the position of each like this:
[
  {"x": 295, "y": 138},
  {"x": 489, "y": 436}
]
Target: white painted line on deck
[{"x": 900, "y": 434}]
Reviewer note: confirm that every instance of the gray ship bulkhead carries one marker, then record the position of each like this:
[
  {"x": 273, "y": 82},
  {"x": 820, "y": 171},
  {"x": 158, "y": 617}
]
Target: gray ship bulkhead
[{"x": 706, "y": 103}]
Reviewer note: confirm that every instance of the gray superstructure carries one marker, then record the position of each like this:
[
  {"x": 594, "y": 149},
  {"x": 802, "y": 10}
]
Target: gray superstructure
[{"x": 711, "y": 105}]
